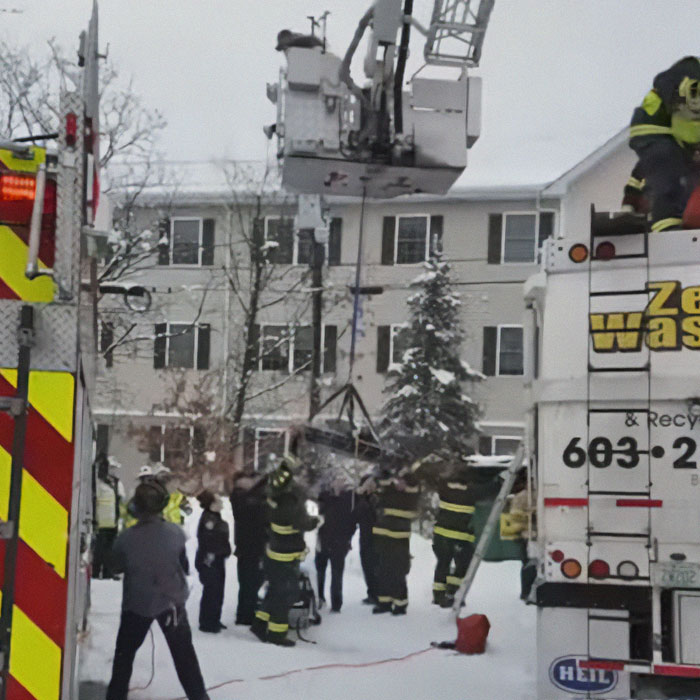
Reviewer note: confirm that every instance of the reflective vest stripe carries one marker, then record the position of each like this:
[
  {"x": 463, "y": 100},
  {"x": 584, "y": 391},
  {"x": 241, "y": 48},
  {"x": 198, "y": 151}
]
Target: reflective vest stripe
[
  {"x": 637, "y": 184},
  {"x": 454, "y": 534},
  {"x": 262, "y": 615},
  {"x": 454, "y": 580},
  {"x": 439, "y": 586},
  {"x": 283, "y": 529},
  {"x": 456, "y": 507},
  {"x": 396, "y": 534},
  {"x": 663, "y": 224},
  {"x": 398, "y": 513},
  {"x": 649, "y": 130},
  {"x": 12, "y": 264},
  {"x": 457, "y": 485},
  {"x": 286, "y": 556}
]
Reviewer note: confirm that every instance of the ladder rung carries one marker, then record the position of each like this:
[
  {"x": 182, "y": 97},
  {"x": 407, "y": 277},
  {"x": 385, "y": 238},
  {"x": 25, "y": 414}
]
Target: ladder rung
[
  {"x": 619, "y": 410},
  {"x": 620, "y": 292},
  {"x": 619, "y": 493},
  {"x": 642, "y": 368},
  {"x": 621, "y": 535}
]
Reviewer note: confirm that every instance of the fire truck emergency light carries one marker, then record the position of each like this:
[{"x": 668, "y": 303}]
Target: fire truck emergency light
[{"x": 17, "y": 194}]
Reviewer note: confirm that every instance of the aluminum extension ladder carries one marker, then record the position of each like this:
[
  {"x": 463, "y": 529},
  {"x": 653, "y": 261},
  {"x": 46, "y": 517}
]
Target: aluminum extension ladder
[{"x": 487, "y": 533}]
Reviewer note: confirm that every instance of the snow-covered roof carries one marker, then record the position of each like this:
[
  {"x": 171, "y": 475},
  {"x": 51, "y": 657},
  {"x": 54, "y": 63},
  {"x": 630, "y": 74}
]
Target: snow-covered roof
[{"x": 561, "y": 185}]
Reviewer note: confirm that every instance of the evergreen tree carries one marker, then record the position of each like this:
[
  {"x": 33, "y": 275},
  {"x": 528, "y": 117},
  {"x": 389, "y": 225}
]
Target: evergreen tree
[{"x": 427, "y": 409}]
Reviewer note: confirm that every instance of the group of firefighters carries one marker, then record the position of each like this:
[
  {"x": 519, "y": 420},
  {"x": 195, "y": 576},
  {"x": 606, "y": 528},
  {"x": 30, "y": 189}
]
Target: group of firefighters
[{"x": 270, "y": 518}]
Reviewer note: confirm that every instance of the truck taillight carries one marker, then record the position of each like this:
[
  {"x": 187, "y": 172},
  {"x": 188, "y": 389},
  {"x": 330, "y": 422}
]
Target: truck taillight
[
  {"x": 578, "y": 253},
  {"x": 571, "y": 568},
  {"x": 605, "y": 251},
  {"x": 557, "y": 555},
  {"x": 15, "y": 188},
  {"x": 599, "y": 569}
]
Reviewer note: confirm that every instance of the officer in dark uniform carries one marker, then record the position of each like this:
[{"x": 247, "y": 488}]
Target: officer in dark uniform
[
  {"x": 288, "y": 522},
  {"x": 453, "y": 535},
  {"x": 213, "y": 550},
  {"x": 249, "y": 506},
  {"x": 397, "y": 497},
  {"x": 665, "y": 134}
]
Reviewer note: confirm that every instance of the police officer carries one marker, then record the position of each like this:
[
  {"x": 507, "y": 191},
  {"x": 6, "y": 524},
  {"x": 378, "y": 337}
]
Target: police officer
[
  {"x": 288, "y": 520},
  {"x": 396, "y": 507},
  {"x": 212, "y": 551},
  {"x": 665, "y": 134},
  {"x": 453, "y": 535},
  {"x": 109, "y": 494}
]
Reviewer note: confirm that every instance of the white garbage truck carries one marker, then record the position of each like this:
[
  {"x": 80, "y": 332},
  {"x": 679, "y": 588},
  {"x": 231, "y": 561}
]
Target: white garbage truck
[{"x": 614, "y": 376}]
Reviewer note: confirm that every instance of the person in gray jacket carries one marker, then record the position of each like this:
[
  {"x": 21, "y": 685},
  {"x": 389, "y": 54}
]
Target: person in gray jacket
[{"x": 152, "y": 556}]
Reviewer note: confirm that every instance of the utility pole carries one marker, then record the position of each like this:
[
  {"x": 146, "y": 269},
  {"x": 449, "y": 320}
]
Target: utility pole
[
  {"x": 318, "y": 255},
  {"x": 310, "y": 218}
]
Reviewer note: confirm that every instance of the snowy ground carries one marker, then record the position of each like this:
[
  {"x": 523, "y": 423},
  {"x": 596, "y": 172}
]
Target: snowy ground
[{"x": 236, "y": 666}]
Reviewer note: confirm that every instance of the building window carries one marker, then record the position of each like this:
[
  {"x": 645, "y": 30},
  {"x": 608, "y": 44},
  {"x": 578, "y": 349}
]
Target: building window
[
  {"x": 503, "y": 350},
  {"x": 186, "y": 241},
  {"x": 411, "y": 239},
  {"x": 174, "y": 446},
  {"x": 296, "y": 248},
  {"x": 399, "y": 344},
  {"x": 516, "y": 237},
  {"x": 269, "y": 442},
  {"x": 498, "y": 444},
  {"x": 182, "y": 345},
  {"x": 290, "y": 348},
  {"x": 106, "y": 342}
]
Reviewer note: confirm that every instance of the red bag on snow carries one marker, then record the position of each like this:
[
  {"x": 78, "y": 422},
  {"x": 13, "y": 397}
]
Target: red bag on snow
[{"x": 472, "y": 632}]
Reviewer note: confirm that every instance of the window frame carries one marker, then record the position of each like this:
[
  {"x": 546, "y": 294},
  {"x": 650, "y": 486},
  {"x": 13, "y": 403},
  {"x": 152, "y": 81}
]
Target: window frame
[
  {"x": 536, "y": 243},
  {"x": 394, "y": 328},
  {"x": 200, "y": 243},
  {"x": 256, "y": 452},
  {"x": 426, "y": 252},
  {"x": 163, "y": 427},
  {"x": 500, "y": 326},
  {"x": 195, "y": 347},
  {"x": 495, "y": 438},
  {"x": 291, "y": 328}
]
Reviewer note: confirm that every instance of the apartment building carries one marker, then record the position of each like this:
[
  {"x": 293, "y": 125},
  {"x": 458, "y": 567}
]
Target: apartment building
[{"x": 184, "y": 354}]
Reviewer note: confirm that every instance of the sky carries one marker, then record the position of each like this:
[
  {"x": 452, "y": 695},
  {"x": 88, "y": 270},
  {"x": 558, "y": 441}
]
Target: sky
[{"x": 560, "y": 76}]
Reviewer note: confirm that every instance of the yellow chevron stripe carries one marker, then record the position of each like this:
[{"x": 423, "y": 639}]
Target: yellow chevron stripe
[
  {"x": 50, "y": 394},
  {"x": 5, "y": 474},
  {"x": 12, "y": 263},
  {"x": 23, "y": 165},
  {"x": 35, "y": 660},
  {"x": 43, "y": 522}
]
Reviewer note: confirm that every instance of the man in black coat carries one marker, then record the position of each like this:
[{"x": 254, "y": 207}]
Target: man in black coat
[
  {"x": 210, "y": 561},
  {"x": 366, "y": 519},
  {"x": 249, "y": 506},
  {"x": 336, "y": 507},
  {"x": 152, "y": 556}
]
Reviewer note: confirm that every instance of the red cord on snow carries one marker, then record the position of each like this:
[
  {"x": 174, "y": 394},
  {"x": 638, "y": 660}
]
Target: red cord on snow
[{"x": 316, "y": 668}]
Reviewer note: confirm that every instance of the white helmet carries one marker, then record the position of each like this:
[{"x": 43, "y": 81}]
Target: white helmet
[{"x": 145, "y": 472}]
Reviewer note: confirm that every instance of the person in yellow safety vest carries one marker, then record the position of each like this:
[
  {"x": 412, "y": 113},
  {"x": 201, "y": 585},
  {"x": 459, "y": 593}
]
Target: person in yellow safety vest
[
  {"x": 178, "y": 506},
  {"x": 127, "y": 510},
  {"x": 665, "y": 134},
  {"x": 286, "y": 548},
  {"x": 109, "y": 494},
  {"x": 453, "y": 535}
]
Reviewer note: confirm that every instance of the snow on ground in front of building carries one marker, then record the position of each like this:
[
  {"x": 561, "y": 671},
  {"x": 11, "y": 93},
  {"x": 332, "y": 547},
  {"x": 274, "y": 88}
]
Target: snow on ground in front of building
[{"x": 353, "y": 637}]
